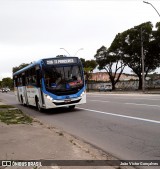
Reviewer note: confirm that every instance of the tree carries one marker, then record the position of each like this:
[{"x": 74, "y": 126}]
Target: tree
[
  {"x": 129, "y": 44},
  {"x": 111, "y": 61},
  {"x": 15, "y": 69},
  {"x": 7, "y": 82},
  {"x": 89, "y": 66}
]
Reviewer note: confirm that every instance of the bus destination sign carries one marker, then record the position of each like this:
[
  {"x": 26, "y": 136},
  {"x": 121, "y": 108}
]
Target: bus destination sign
[{"x": 61, "y": 61}]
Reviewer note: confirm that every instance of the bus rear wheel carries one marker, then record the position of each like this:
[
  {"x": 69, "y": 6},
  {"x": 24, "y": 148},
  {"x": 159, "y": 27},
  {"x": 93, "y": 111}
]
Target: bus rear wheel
[{"x": 22, "y": 100}]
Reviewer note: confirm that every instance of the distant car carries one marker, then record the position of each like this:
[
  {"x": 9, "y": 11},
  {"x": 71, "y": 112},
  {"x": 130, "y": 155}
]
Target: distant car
[
  {"x": 8, "y": 89},
  {"x": 5, "y": 90},
  {"x": 107, "y": 87}
]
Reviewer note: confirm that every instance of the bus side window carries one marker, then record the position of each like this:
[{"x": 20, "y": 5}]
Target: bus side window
[
  {"x": 23, "y": 80},
  {"x": 27, "y": 80},
  {"x": 19, "y": 81},
  {"x": 15, "y": 82},
  {"x": 34, "y": 80},
  {"x": 38, "y": 78}
]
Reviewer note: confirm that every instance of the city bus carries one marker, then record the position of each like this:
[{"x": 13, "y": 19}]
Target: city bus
[{"x": 51, "y": 83}]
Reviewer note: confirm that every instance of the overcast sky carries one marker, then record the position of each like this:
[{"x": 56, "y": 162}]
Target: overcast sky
[{"x": 34, "y": 29}]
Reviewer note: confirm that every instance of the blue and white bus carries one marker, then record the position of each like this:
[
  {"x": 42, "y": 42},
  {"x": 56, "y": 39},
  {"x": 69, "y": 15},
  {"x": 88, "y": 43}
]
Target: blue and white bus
[{"x": 50, "y": 83}]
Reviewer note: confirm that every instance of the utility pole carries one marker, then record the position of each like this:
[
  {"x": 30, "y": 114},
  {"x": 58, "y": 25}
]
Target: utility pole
[{"x": 142, "y": 57}]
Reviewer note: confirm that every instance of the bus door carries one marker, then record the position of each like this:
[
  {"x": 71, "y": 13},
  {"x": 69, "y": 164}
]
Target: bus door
[
  {"x": 39, "y": 86},
  {"x": 16, "y": 91},
  {"x": 25, "y": 97}
]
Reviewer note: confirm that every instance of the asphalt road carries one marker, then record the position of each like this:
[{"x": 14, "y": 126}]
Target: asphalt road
[{"x": 124, "y": 125}]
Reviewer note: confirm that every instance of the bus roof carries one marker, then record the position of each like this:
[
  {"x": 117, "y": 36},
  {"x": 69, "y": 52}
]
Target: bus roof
[
  {"x": 27, "y": 67},
  {"x": 49, "y": 61}
]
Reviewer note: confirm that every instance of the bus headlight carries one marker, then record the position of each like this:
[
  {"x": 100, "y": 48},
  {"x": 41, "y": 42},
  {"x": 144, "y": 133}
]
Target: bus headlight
[
  {"x": 82, "y": 93},
  {"x": 50, "y": 98}
]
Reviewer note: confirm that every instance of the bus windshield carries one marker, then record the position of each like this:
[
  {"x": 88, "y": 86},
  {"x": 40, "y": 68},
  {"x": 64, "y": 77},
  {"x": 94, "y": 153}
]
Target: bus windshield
[{"x": 63, "y": 80}]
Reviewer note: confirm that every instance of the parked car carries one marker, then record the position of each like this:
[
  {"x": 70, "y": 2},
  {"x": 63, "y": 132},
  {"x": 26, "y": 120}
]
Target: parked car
[
  {"x": 107, "y": 87},
  {"x": 5, "y": 90}
]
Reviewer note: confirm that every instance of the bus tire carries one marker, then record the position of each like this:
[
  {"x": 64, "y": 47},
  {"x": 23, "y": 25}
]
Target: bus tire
[
  {"x": 72, "y": 107},
  {"x": 38, "y": 105},
  {"x": 22, "y": 100},
  {"x": 27, "y": 103}
]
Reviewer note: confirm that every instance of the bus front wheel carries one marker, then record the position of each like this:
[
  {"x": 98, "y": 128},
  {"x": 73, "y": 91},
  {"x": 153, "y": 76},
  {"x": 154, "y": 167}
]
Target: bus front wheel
[{"x": 72, "y": 107}]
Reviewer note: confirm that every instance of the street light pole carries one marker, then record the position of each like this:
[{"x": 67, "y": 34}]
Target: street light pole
[
  {"x": 66, "y": 51},
  {"x": 78, "y": 51},
  {"x": 152, "y": 6},
  {"x": 142, "y": 55},
  {"x": 69, "y": 53}
]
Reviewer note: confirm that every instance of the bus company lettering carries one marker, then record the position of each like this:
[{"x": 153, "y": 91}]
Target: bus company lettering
[
  {"x": 49, "y": 62},
  {"x": 62, "y": 61}
]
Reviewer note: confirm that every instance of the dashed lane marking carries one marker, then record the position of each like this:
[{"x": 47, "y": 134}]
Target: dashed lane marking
[{"x": 122, "y": 116}]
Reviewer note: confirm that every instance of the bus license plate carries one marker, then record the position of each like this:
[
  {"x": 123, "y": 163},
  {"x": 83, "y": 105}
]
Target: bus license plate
[{"x": 67, "y": 100}]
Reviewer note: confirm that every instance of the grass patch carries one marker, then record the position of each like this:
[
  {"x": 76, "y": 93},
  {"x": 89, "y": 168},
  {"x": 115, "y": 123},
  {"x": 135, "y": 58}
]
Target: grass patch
[
  {"x": 6, "y": 106},
  {"x": 14, "y": 116}
]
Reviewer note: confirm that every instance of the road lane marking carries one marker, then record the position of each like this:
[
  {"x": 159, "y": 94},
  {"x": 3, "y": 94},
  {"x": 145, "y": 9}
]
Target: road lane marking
[
  {"x": 99, "y": 101},
  {"x": 137, "y": 104},
  {"x": 125, "y": 98},
  {"x": 121, "y": 115},
  {"x": 150, "y": 105},
  {"x": 123, "y": 94}
]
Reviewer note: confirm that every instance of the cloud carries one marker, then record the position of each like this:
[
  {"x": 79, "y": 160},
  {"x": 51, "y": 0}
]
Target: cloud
[{"x": 33, "y": 29}]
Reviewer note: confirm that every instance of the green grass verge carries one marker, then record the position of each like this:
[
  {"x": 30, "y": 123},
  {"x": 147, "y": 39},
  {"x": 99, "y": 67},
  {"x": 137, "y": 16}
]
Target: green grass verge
[
  {"x": 13, "y": 116},
  {"x": 6, "y": 106}
]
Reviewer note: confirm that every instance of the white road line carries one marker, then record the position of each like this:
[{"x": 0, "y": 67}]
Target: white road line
[
  {"x": 120, "y": 115},
  {"x": 55, "y": 167},
  {"x": 99, "y": 101},
  {"x": 125, "y": 98},
  {"x": 150, "y": 105}
]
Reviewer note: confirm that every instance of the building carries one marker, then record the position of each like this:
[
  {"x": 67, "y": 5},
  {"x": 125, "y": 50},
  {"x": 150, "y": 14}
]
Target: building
[{"x": 103, "y": 76}]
